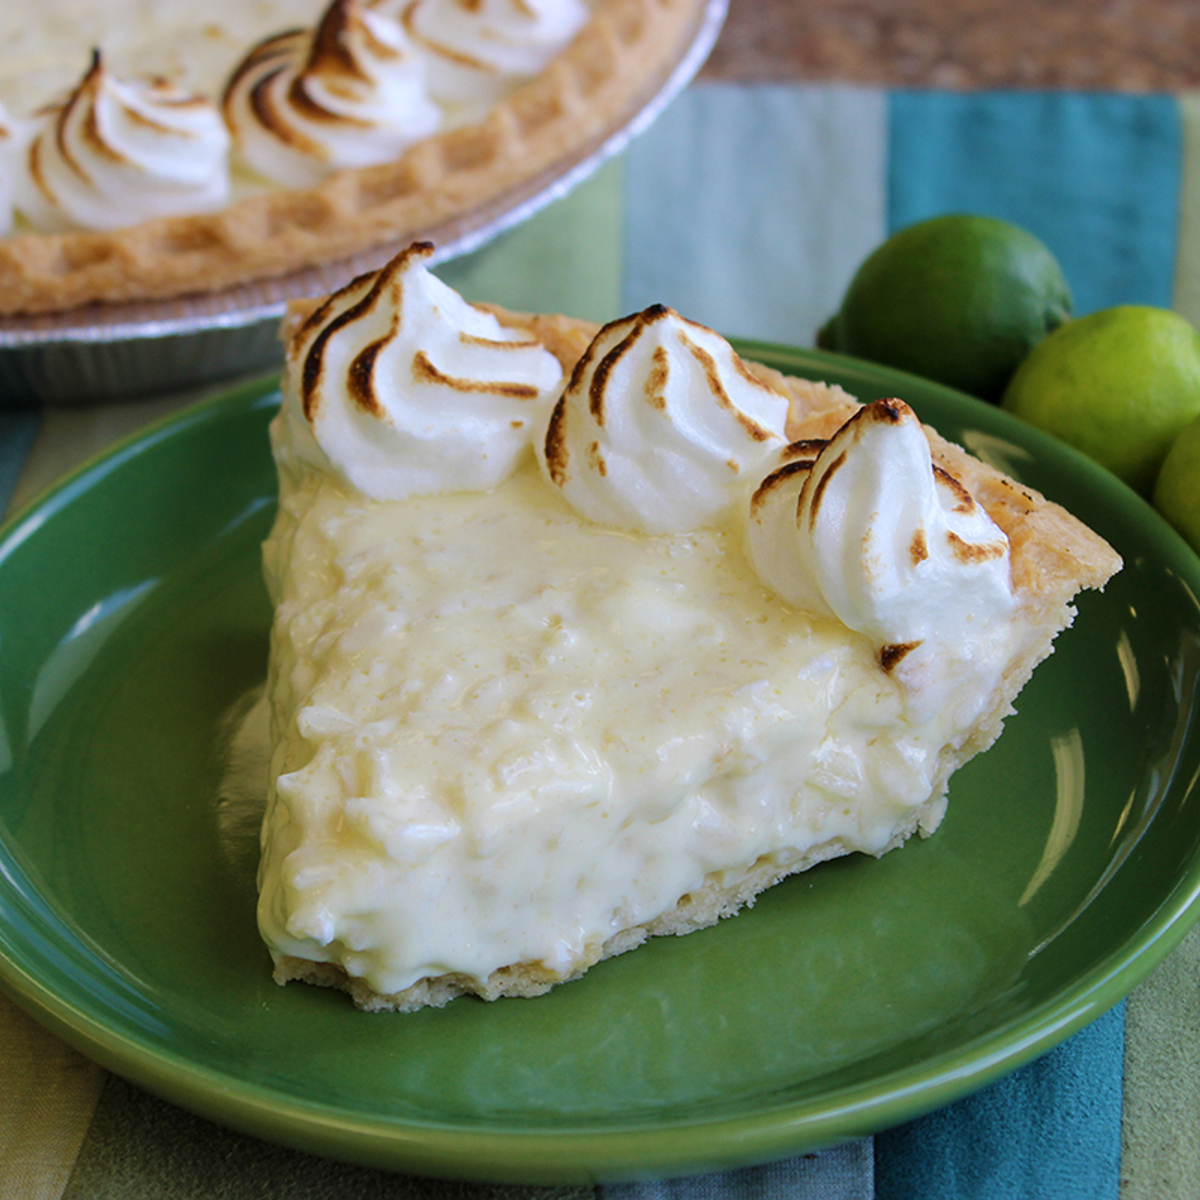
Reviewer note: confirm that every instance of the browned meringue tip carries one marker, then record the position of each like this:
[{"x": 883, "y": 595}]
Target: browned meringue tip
[
  {"x": 278, "y": 46},
  {"x": 891, "y": 656},
  {"x": 805, "y": 448},
  {"x": 801, "y": 456},
  {"x": 962, "y": 500},
  {"x": 328, "y": 50},
  {"x": 555, "y": 444},
  {"x": 601, "y": 358},
  {"x": 629, "y": 327},
  {"x": 647, "y": 316},
  {"x": 776, "y": 479},
  {"x": 461, "y": 58},
  {"x": 307, "y": 346},
  {"x": 887, "y": 410},
  {"x": 796, "y": 458},
  {"x": 89, "y": 81},
  {"x": 391, "y": 271},
  {"x": 373, "y": 281},
  {"x": 257, "y": 75},
  {"x": 60, "y": 112},
  {"x": 325, "y": 52},
  {"x": 260, "y": 65},
  {"x": 325, "y": 324}
]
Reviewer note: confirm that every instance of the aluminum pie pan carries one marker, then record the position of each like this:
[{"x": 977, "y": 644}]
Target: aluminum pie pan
[{"x": 109, "y": 352}]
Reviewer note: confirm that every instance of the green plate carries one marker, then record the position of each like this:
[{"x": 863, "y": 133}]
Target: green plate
[{"x": 858, "y": 995}]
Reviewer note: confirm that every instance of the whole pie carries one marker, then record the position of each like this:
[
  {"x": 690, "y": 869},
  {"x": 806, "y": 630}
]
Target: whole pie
[
  {"x": 584, "y": 635},
  {"x": 191, "y": 158}
]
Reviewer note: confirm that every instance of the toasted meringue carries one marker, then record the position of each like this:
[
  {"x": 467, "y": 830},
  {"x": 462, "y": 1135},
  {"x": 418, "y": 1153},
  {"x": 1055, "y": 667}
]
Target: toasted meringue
[
  {"x": 350, "y": 93},
  {"x": 404, "y": 389},
  {"x": 662, "y": 428},
  {"x": 866, "y": 528},
  {"x": 477, "y": 49},
  {"x": 120, "y": 151}
]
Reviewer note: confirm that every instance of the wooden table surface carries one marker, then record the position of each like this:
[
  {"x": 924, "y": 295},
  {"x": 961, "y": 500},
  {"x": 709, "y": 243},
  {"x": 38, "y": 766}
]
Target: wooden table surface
[{"x": 1126, "y": 45}]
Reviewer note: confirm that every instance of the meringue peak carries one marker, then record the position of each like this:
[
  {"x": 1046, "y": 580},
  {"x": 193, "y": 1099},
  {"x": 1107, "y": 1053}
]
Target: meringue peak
[
  {"x": 120, "y": 151},
  {"x": 867, "y": 528},
  {"x": 348, "y": 93},
  {"x": 661, "y": 426},
  {"x": 405, "y": 389},
  {"x": 477, "y": 49},
  {"x": 330, "y": 55}
]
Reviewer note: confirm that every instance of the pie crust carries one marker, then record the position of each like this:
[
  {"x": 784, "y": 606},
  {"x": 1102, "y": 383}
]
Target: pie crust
[{"x": 623, "y": 53}]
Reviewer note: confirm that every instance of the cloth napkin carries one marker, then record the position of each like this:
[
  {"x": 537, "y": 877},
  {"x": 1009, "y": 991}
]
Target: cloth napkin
[{"x": 747, "y": 207}]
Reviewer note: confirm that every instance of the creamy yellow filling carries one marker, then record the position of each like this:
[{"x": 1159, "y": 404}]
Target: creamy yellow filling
[{"x": 504, "y": 733}]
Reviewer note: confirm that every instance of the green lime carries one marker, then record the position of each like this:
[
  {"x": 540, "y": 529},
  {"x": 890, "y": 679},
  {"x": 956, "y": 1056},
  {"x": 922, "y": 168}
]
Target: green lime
[
  {"x": 960, "y": 299},
  {"x": 1177, "y": 490},
  {"x": 1118, "y": 384}
]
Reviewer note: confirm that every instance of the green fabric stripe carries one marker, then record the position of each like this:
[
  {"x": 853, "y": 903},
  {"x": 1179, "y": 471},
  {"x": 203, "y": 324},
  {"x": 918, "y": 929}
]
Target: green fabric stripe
[
  {"x": 1187, "y": 251},
  {"x": 565, "y": 259}
]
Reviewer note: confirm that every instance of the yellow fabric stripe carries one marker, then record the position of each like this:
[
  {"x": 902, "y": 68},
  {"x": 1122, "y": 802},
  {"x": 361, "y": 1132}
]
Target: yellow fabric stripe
[{"x": 48, "y": 1093}]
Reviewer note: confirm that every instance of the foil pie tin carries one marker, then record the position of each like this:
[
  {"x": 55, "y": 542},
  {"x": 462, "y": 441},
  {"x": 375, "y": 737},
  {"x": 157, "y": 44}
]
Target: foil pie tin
[{"x": 110, "y": 352}]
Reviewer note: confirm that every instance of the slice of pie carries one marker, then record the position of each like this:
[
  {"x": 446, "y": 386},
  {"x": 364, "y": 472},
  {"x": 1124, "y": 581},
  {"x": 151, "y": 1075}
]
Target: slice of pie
[
  {"x": 373, "y": 121},
  {"x": 587, "y": 635}
]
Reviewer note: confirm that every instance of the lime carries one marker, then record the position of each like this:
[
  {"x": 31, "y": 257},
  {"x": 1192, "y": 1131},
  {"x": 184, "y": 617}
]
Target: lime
[
  {"x": 960, "y": 299},
  {"x": 1177, "y": 490},
  {"x": 1118, "y": 384}
]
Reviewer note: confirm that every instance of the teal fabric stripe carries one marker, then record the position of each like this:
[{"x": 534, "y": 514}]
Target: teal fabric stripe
[
  {"x": 17, "y": 431},
  {"x": 1095, "y": 176},
  {"x": 1049, "y": 1132},
  {"x": 748, "y": 207}
]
